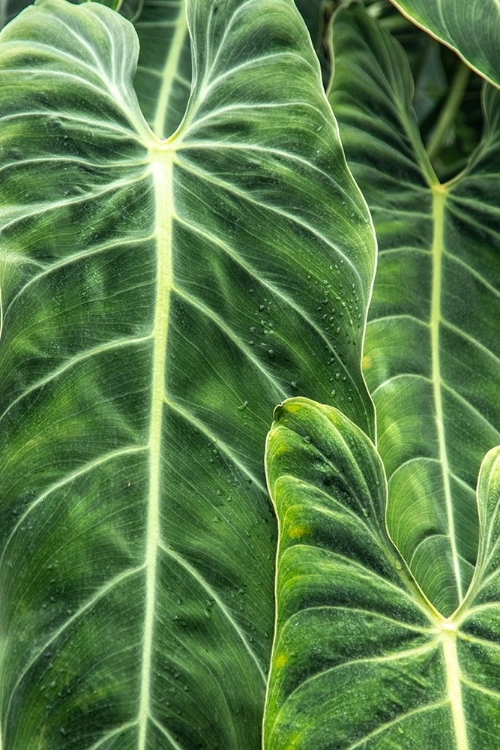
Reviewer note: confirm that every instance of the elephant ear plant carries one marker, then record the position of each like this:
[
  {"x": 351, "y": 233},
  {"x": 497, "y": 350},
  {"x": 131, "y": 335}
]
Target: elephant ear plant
[
  {"x": 388, "y": 588},
  {"x": 183, "y": 247},
  {"x": 159, "y": 297}
]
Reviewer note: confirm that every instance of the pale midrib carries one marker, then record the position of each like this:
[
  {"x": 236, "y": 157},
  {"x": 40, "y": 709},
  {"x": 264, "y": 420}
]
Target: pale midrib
[
  {"x": 439, "y": 200},
  {"x": 162, "y": 170},
  {"x": 169, "y": 70},
  {"x": 454, "y": 688}
]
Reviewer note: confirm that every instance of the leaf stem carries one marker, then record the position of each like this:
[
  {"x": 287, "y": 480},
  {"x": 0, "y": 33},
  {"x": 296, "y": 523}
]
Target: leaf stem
[{"x": 449, "y": 110}]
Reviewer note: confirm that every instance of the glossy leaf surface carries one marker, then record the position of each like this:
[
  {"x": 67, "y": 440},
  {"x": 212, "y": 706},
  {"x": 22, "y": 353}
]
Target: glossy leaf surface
[
  {"x": 361, "y": 660},
  {"x": 471, "y": 28},
  {"x": 158, "y": 299},
  {"x": 432, "y": 350}
]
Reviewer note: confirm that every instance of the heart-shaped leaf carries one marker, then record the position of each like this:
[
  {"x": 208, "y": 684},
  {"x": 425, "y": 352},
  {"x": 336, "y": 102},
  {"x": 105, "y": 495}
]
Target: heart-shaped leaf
[
  {"x": 158, "y": 299},
  {"x": 432, "y": 348},
  {"x": 361, "y": 660}
]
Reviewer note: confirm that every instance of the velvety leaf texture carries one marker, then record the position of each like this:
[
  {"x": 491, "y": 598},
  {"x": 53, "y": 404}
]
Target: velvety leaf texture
[
  {"x": 360, "y": 659},
  {"x": 159, "y": 297},
  {"x": 432, "y": 349}
]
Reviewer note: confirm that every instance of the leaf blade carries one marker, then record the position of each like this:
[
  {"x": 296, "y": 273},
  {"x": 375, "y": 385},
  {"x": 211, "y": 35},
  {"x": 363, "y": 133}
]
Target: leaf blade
[
  {"x": 469, "y": 29},
  {"x": 424, "y": 351},
  {"x": 169, "y": 590},
  {"x": 360, "y": 658}
]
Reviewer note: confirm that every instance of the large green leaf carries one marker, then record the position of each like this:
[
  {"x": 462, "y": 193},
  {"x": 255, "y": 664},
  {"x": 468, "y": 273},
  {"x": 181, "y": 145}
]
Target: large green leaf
[
  {"x": 158, "y": 299},
  {"x": 361, "y": 660},
  {"x": 470, "y": 27},
  {"x": 432, "y": 346}
]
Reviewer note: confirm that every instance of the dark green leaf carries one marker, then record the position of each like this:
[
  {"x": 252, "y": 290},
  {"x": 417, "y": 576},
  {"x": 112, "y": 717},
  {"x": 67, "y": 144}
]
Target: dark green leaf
[
  {"x": 159, "y": 297},
  {"x": 361, "y": 660},
  {"x": 432, "y": 348}
]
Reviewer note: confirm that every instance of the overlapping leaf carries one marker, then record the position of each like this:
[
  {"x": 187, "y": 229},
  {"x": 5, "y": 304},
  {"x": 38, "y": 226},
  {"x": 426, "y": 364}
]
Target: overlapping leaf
[
  {"x": 432, "y": 349},
  {"x": 471, "y": 28},
  {"x": 158, "y": 299},
  {"x": 361, "y": 660},
  {"x": 163, "y": 79},
  {"x": 130, "y": 9}
]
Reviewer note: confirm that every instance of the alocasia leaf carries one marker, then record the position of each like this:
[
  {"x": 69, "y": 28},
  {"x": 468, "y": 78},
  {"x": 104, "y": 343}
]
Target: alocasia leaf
[
  {"x": 432, "y": 348},
  {"x": 361, "y": 660},
  {"x": 470, "y": 27},
  {"x": 159, "y": 297},
  {"x": 163, "y": 79}
]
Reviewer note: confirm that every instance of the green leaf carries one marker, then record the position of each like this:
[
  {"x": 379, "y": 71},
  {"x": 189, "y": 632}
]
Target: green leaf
[
  {"x": 158, "y": 299},
  {"x": 129, "y": 9},
  {"x": 471, "y": 29},
  {"x": 360, "y": 659},
  {"x": 432, "y": 350},
  {"x": 163, "y": 79},
  {"x": 316, "y": 14}
]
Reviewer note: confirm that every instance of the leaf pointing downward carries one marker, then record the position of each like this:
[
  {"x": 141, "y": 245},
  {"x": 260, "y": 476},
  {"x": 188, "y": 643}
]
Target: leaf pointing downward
[
  {"x": 431, "y": 351},
  {"x": 160, "y": 297}
]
